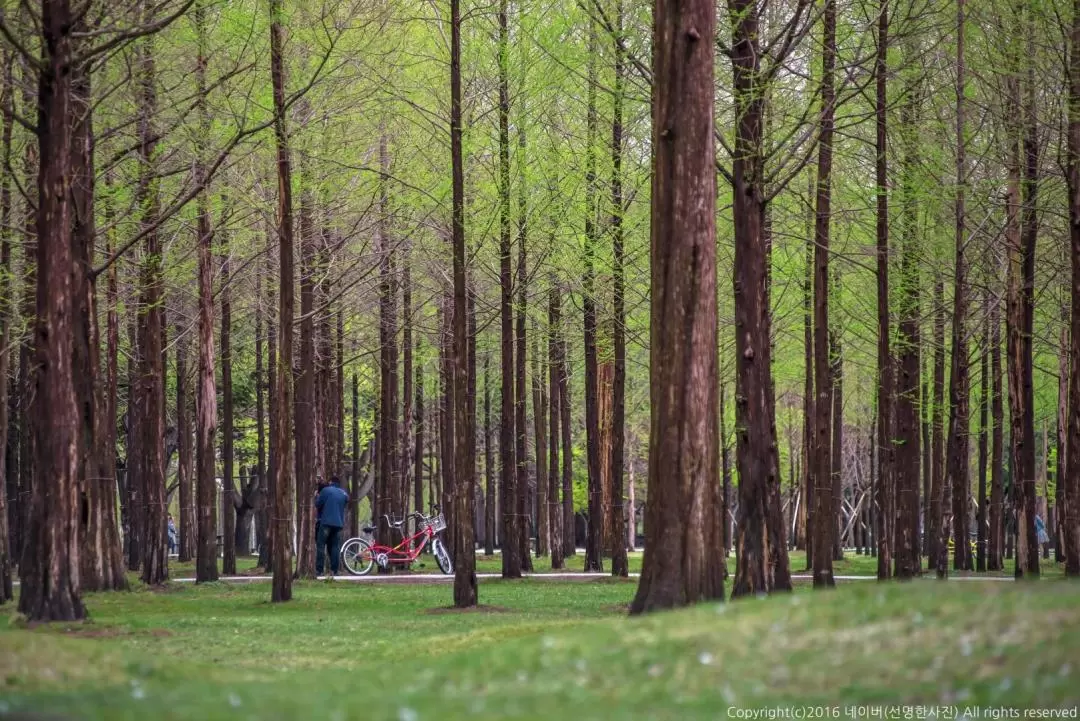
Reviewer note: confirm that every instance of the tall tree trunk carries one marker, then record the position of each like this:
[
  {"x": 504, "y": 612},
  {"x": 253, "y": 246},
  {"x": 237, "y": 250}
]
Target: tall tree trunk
[
  {"x": 937, "y": 517},
  {"x": 806, "y": 529},
  {"x": 418, "y": 451},
  {"x": 540, "y": 418},
  {"x": 49, "y": 569},
  {"x": 304, "y": 432},
  {"x": 619, "y": 562},
  {"x": 405, "y": 442},
  {"x": 594, "y": 537},
  {"x": 262, "y": 518},
  {"x": 1071, "y": 536},
  {"x": 959, "y": 392},
  {"x": 464, "y": 545},
  {"x": 150, "y": 393},
  {"x": 563, "y": 370},
  {"x": 555, "y": 515},
  {"x": 520, "y": 388},
  {"x": 282, "y": 449},
  {"x": 836, "y": 351},
  {"x": 388, "y": 491},
  {"x": 229, "y": 499},
  {"x": 183, "y": 447},
  {"x": 489, "y": 465},
  {"x": 754, "y": 411},
  {"x": 824, "y": 519},
  {"x": 206, "y": 568},
  {"x": 907, "y": 392},
  {"x": 996, "y": 543},
  {"x": 683, "y": 498},
  {"x": 511, "y": 524},
  {"x": 6, "y": 314},
  {"x": 984, "y": 412},
  {"x": 883, "y": 538}
]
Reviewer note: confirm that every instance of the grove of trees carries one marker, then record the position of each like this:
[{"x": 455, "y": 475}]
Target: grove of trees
[{"x": 750, "y": 276}]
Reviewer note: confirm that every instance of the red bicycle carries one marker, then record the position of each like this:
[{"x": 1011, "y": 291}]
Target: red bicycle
[{"x": 360, "y": 555}]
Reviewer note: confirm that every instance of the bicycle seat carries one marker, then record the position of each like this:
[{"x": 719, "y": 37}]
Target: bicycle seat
[{"x": 369, "y": 529}]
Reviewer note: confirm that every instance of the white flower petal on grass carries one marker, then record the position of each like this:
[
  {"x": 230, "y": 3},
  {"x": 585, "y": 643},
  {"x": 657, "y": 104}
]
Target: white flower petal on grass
[
  {"x": 234, "y": 700},
  {"x": 705, "y": 658},
  {"x": 407, "y": 714},
  {"x": 137, "y": 692}
]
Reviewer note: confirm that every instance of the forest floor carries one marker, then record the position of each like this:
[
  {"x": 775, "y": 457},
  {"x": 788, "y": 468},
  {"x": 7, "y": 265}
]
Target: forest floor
[{"x": 540, "y": 650}]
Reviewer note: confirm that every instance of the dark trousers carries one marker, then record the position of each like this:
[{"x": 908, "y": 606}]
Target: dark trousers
[{"x": 328, "y": 541}]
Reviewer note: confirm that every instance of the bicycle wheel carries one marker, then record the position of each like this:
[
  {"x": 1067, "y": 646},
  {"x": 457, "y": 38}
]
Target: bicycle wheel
[
  {"x": 357, "y": 556},
  {"x": 442, "y": 557}
]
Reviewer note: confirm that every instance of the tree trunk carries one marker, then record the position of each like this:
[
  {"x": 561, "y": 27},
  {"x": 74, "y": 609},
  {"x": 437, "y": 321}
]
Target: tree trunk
[
  {"x": 984, "y": 414},
  {"x": 262, "y": 518},
  {"x": 464, "y": 545},
  {"x": 837, "y": 369},
  {"x": 150, "y": 393},
  {"x": 49, "y": 569},
  {"x": 520, "y": 388},
  {"x": 6, "y": 314},
  {"x": 206, "y": 568},
  {"x": 183, "y": 444},
  {"x": 805, "y": 532},
  {"x": 996, "y": 542},
  {"x": 563, "y": 370},
  {"x": 540, "y": 418},
  {"x": 754, "y": 411},
  {"x": 405, "y": 444},
  {"x": 229, "y": 491},
  {"x": 418, "y": 451},
  {"x": 304, "y": 432},
  {"x": 937, "y": 518},
  {"x": 555, "y": 515},
  {"x": 883, "y": 537},
  {"x": 489, "y": 465},
  {"x": 282, "y": 449},
  {"x": 619, "y": 562},
  {"x": 824, "y": 520},
  {"x": 683, "y": 500},
  {"x": 594, "y": 537},
  {"x": 1071, "y": 536},
  {"x": 511, "y": 562}
]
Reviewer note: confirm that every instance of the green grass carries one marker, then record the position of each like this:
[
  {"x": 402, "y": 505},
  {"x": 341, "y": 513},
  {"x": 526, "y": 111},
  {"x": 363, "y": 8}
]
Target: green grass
[
  {"x": 852, "y": 565},
  {"x": 541, "y": 650}
]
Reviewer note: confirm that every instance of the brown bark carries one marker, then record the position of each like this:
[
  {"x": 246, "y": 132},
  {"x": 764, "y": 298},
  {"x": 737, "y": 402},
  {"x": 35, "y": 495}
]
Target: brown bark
[
  {"x": 520, "y": 388},
  {"x": 282, "y": 450},
  {"x": 683, "y": 451},
  {"x": 465, "y": 587},
  {"x": 511, "y": 524},
  {"x": 304, "y": 432},
  {"x": 418, "y": 437},
  {"x": 540, "y": 418},
  {"x": 563, "y": 371},
  {"x": 490, "y": 514},
  {"x": 555, "y": 514},
  {"x": 824, "y": 520},
  {"x": 186, "y": 523},
  {"x": 49, "y": 569},
  {"x": 594, "y": 534},
  {"x": 262, "y": 518},
  {"x": 885, "y": 481},
  {"x": 230, "y": 496},
  {"x": 206, "y": 568},
  {"x": 6, "y": 313},
  {"x": 405, "y": 443},
  {"x": 619, "y": 562},
  {"x": 1072, "y": 468},
  {"x": 983, "y": 515},
  {"x": 805, "y": 531},
  {"x": 996, "y": 541},
  {"x": 836, "y": 351},
  {"x": 937, "y": 516},
  {"x": 957, "y": 479},
  {"x": 149, "y": 390}
]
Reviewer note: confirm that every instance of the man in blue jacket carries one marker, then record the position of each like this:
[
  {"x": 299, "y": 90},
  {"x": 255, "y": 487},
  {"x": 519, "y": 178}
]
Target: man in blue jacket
[{"x": 330, "y": 504}]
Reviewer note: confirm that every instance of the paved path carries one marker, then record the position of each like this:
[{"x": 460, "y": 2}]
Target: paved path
[{"x": 431, "y": 578}]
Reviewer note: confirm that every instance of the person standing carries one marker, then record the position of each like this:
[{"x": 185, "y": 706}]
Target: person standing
[{"x": 330, "y": 505}]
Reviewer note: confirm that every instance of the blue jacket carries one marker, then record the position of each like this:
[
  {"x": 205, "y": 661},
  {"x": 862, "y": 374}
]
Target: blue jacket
[{"x": 331, "y": 503}]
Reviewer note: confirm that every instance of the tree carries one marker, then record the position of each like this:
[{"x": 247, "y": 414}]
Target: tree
[
  {"x": 230, "y": 499},
  {"x": 681, "y": 565},
  {"x": 283, "y": 392},
  {"x": 49, "y": 568},
  {"x": 1072, "y": 495},
  {"x": 7, "y": 91},
  {"x": 465, "y": 590}
]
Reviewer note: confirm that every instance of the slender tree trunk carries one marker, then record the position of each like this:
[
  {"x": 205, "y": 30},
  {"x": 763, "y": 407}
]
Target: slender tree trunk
[
  {"x": 836, "y": 351},
  {"x": 885, "y": 483},
  {"x": 937, "y": 517},
  {"x": 206, "y": 568},
  {"x": 806, "y": 529},
  {"x": 824, "y": 519},
  {"x": 543, "y": 526},
  {"x": 984, "y": 413},
  {"x": 405, "y": 444},
  {"x": 683, "y": 501},
  {"x": 563, "y": 369},
  {"x": 282, "y": 450},
  {"x": 555, "y": 515},
  {"x": 464, "y": 545},
  {"x": 489, "y": 465},
  {"x": 511, "y": 524},
  {"x": 150, "y": 393},
  {"x": 418, "y": 451},
  {"x": 594, "y": 537},
  {"x": 520, "y": 388},
  {"x": 262, "y": 518},
  {"x": 229, "y": 500},
  {"x": 49, "y": 570},
  {"x": 183, "y": 444},
  {"x": 7, "y": 307},
  {"x": 619, "y": 562},
  {"x": 1071, "y": 536},
  {"x": 304, "y": 433},
  {"x": 997, "y": 414}
]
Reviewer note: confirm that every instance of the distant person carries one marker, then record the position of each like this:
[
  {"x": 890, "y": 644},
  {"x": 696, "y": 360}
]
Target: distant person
[
  {"x": 330, "y": 505},
  {"x": 172, "y": 535},
  {"x": 1040, "y": 530}
]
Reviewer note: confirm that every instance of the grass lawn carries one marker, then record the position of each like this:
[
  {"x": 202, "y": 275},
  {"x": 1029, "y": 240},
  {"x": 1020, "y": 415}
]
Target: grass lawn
[
  {"x": 852, "y": 565},
  {"x": 541, "y": 650}
]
